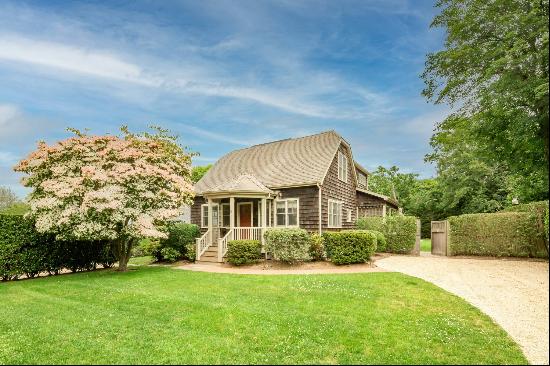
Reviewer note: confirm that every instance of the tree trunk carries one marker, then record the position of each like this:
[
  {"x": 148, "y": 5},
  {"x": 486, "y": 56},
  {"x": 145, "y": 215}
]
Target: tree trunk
[{"x": 123, "y": 253}]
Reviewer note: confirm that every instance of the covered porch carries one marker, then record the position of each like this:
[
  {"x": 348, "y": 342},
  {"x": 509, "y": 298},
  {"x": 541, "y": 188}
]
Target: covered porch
[{"x": 239, "y": 210}]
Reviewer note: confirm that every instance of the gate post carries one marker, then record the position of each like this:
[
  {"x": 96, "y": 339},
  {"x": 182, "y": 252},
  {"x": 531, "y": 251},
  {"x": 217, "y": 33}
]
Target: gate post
[
  {"x": 447, "y": 238},
  {"x": 416, "y": 250}
]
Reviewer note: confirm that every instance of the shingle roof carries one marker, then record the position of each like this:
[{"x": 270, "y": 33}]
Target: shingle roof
[
  {"x": 277, "y": 164},
  {"x": 243, "y": 183}
]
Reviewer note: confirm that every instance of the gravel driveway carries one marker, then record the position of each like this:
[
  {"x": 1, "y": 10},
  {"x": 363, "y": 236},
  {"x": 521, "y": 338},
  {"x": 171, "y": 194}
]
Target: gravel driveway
[{"x": 512, "y": 292}]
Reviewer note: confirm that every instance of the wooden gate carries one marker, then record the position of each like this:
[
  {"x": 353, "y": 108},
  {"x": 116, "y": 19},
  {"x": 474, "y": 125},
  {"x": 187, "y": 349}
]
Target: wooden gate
[{"x": 440, "y": 237}]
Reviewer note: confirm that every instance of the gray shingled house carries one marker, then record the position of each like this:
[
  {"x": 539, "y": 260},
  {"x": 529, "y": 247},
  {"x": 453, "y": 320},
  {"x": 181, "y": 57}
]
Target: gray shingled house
[{"x": 310, "y": 182}]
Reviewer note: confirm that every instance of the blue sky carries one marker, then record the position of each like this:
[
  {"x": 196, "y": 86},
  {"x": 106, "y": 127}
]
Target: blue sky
[{"x": 221, "y": 74}]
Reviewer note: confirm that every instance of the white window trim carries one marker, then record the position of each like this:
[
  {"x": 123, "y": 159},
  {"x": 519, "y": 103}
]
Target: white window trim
[
  {"x": 348, "y": 215},
  {"x": 285, "y": 200},
  {"x": 343, "y": 165},
  {"x": 203, "y": 226},
  {"x": 269, "y": 204},
  {"x": 329, "y": 213},
  {"x": 224, "y": 206},
  {"x": 360, "y": 177},
  {"x": 202, "y": 215}
]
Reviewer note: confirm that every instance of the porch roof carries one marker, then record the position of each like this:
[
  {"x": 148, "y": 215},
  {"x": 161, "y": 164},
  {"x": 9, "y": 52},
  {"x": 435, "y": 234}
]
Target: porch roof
[{"x": 242, "y": 184}]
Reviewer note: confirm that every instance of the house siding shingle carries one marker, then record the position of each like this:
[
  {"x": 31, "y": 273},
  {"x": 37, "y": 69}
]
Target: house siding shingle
[
  {"x": 196, "y": 211},
  {"x": 308, "y": 206},
  {"x": 334, "y": 188}
]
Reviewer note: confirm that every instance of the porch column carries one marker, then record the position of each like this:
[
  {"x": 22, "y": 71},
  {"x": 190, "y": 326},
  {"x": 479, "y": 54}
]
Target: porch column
[
  {"x": 231, "y": 213},
  {"x": 264, "y": 222},
  {"x": 264, "y": 213},
  {"x": 210, "y": 216},
  {"x": 384, "y": 211}
]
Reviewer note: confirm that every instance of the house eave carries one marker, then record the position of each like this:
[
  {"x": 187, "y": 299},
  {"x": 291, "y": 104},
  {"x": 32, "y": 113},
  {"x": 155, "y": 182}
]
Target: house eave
[{"x": 378, "y": 195}]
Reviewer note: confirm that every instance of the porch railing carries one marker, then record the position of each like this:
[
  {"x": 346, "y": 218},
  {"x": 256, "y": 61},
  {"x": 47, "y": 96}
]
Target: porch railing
[
  {"x": 239, "y": 233},
  {"x": 203, "y": 243},
  {"x": 248, "y": 233},
  {"x": 222, "y": 244}
]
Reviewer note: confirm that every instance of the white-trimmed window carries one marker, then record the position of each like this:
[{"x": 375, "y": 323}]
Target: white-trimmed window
[
  {"x": 204, "y": 215},
  {"x": 362, "y": 179},
  {"x": 269, "y": 208},
  {"x": 286, "y": 212},
  {"x": 334, "y": 213},
  {"x": 342, "y": 167},
  {"x": 225, "y": 215},
  {"x": 348, "y": 215}
]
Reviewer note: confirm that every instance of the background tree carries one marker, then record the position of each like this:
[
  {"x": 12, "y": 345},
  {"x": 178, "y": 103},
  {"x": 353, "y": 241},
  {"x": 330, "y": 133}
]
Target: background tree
[
  {"x": 392, "y": 183},
  {"x": 199, "y": 171},
  {"x": 7, "y": 197},
  {"x": 113, "y": 188},
  {"x": 493, "y": 73}
]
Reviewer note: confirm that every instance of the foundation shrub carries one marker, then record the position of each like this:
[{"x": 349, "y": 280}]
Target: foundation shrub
[
  {"x": 288, "y": 245},
  {"x": 350, "y": 246},
  {"x": 240, "y": 252}
]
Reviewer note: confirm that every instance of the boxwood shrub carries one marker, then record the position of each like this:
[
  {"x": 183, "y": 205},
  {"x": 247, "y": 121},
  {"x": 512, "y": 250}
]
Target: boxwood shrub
[
  {"x": 241, "y": 252},
  {"x": 317, "y": 247},
  {"x": 501, "y": 234},
  {"x": 180, "y": 236},
  {"x": 24, "y": 251},
  {"x": 381, "y": 243},
  {"x": 288, "y": 245},
  {"x": 350, "y": 246},
  {"x": 399, "y": 231}
]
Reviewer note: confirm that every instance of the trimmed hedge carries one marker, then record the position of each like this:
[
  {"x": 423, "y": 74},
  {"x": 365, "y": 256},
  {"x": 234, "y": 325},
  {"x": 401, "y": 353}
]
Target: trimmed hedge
[
  {"x": 533, "y": 207},
  {"x": 180, "y": 238},
  {"x": 317, "y": 247},
  {"x": 288, "y": 245},
  {"x": 539, "y": 212},
  {"x": 350, "y": 246},
  {"x": 399, "y": 231},
  {"x": 501, "y": 234},
  {"x": 241, "y": 252},
  {"x": 24, "y": 251},
  {"x": 381, "y": 243}
]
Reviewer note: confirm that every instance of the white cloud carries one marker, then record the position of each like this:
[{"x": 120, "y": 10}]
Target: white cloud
[
  {"x": 422, "y": 126},
  {"x": 307, "y": 97},
  {"x": 212, "y": 135},
  {"x": 70, "y": 58},
  {"x": 7, "y": 113},
  {"x": 8, "y": 159},
  {"x": 20, "y": 130}
]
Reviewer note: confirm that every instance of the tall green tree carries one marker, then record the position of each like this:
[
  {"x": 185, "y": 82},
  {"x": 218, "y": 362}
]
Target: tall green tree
[
  {"x": 198, "y": 172},
  {"x": 392, "y": 183},
  {"x": 493, "y": 72}
]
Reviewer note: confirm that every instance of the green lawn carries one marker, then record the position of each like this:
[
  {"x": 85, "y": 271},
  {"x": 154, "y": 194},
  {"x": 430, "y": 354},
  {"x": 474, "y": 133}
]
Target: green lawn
[
  {"x": 141, "y": 261},
  {"x": 426, "y": 245},
  {"x": 163, "y": 315}
]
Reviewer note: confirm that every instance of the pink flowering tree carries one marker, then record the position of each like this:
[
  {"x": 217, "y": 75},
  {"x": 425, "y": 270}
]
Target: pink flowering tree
[{"x": 113, "y": 188}]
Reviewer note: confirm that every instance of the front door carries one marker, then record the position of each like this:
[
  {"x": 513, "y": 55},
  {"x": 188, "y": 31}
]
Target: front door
[
  {"x": 244, "y": 219},
  {"x": 245, "y": 214}
]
